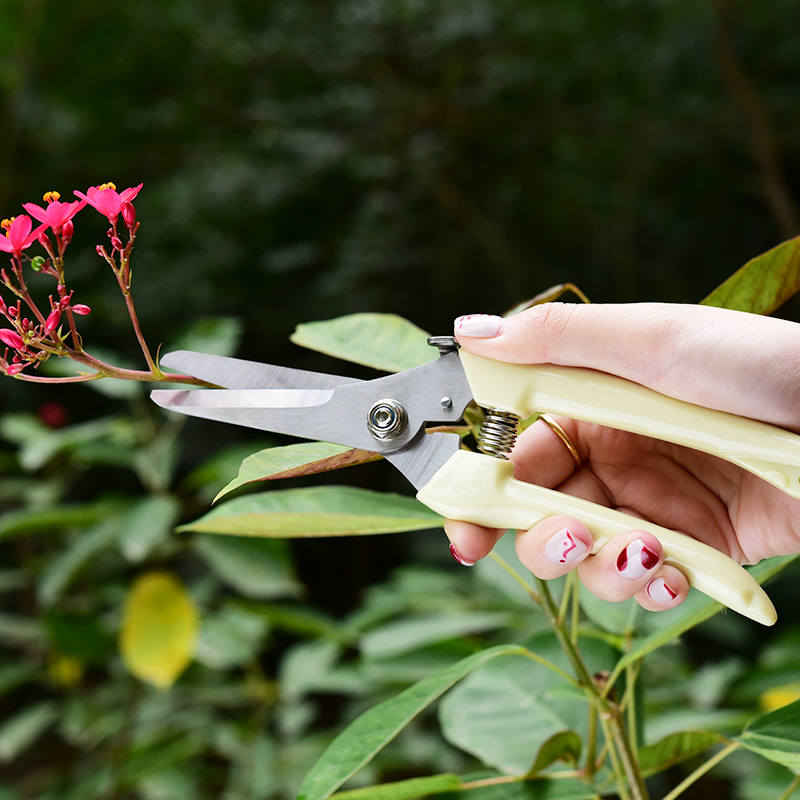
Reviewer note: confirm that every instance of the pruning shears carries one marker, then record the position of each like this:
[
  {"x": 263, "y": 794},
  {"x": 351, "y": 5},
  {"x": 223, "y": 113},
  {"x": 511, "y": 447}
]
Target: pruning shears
[{"x": 391, "y": 416}]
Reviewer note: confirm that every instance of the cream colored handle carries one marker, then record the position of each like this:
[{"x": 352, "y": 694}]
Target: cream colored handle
[
  {"x": 583, "y": 394},
  {"x": 481, "y": 489}
]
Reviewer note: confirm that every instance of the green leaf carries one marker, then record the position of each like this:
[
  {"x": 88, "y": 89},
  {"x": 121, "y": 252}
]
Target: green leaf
[
  {"x": 413, "y": 633},
  {"x": 231, "y": 637},
  {"x": 675, "y": 748},
  {"x": 217, "y": 336},
  {"x": 19, "y": 523},
  {"x": 776, "y": 736},
  {"x": 404, "y": 790},
  {"x": 257, "y": 568},
  {"x": 535, "y": 789},
  {"x": 695, "y": 609},
  {"x": 146, "y": 525},
  {"x": 67, "y": 563},
  {"x": 373, "y": 730},
  {"x": 384, "y": 341},
  {"x": 317, "y": 511},
  {"x": 506, "y": 712},
  {"x": 563, "y": 746},
  {"x": 295, "y": 460},
  {"x": 22, "y": 730},
  {"x": 764, "y": 283}
]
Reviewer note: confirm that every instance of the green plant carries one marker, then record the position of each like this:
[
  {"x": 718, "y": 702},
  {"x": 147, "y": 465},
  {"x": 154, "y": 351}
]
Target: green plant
[{"x": 539, "y": 689}]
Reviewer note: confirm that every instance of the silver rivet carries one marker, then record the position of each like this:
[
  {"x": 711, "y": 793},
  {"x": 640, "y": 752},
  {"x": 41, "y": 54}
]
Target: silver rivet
[
  {"x": 387, "y": 419},
  {"x": 446, "y": 402}
]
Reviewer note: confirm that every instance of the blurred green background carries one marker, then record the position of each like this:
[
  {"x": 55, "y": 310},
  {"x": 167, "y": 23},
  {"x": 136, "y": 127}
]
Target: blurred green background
[{"x": 304, "y": 159}]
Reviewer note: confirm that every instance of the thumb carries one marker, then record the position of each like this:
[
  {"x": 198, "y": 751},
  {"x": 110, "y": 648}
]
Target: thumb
[{"x": 729, "y": 360}]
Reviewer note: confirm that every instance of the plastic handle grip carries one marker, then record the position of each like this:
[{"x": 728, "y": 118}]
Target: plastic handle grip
[
  {"x": 583, "y": 394},
  {"x": 481, "y": 489}
]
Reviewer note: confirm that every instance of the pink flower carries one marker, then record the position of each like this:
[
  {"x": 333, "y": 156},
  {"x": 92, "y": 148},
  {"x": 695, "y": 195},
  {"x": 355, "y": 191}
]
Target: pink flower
[
  {"x": 55, "y": 213},
  {"x": 106, "y": 200},
  {"x": 11, "y": 339},
  {"x": 19, "y": 236}
]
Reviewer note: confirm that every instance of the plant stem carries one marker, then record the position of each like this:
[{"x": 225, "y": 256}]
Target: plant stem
[
  {"x": 790, "y": 788},
  {"x": 701, "y": 770},
  {"x": 516, "y": 576}
]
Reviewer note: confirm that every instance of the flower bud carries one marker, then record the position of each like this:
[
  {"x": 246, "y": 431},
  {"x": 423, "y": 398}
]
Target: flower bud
[
  {"x": 81, "y": 309},
  {"x": 129, "y": 215},
  {"x": 67, "y": 231},
  {"x": 51, "y": 323},
  {"x": 12, "y": 311},
  {"x": 14, "y": 369},
  {"x": 101, "y": 251},
  {"x": 11, "y": 339},
  {"x": 44, "y": 241},
  {"x": 116, "y": 243},
  {"x": 37, "y": 263}
]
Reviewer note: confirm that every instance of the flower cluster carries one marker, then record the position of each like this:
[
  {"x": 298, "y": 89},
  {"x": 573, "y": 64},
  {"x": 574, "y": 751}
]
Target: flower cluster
[{"x": 33, "y": 335}]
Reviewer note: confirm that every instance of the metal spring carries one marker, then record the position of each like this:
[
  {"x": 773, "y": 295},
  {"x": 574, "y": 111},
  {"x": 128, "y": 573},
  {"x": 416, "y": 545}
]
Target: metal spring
[{"x": 498, "y": 433}]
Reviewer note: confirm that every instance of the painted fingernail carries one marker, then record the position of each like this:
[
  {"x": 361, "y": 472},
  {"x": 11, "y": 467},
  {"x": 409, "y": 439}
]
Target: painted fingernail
[
  {"x": 458, "y": 557},
  {"x": 479, "y": 326},
  {"x": 659, "y": 591},
  {"x": 564, "y": 548},
  {"x": 635, "y": 561}
]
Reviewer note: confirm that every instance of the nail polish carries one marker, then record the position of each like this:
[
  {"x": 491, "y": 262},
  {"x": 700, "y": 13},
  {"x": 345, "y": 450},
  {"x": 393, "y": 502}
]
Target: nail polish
[
  {"x": 635, "y": 561},
  {"x": 659, "y": 591},
  {"x": 564, "y": 548},
  {"x": 479, "y": 326},
  {"x": 458, "y": 557}
]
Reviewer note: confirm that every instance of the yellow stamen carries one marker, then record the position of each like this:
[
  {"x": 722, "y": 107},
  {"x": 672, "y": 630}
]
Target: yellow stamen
[
  {"x": 49, "y": 197},
  {"x": 106, "y": 186},
  {"x": 7, "y": 223}
]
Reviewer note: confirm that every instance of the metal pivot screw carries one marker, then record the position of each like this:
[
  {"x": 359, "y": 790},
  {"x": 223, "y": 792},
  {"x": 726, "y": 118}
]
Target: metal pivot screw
[{"x": 387, "y": 419}]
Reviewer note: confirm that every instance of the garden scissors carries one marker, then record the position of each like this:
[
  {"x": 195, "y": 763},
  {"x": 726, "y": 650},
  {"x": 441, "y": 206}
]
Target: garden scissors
[{"x": 390, "y": 415}]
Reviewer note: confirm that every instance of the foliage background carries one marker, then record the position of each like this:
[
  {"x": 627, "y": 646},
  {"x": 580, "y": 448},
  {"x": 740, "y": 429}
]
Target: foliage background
[{"x": 304, "y": 159}]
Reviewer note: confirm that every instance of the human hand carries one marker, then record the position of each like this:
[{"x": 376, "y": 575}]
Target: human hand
[{"x": 735, "y": 362}]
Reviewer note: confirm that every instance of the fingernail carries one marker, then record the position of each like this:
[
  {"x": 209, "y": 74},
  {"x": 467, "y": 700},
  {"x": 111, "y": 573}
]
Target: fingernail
[
  {"x": 458, "y": 557},
  {"x": 659, "y": 591},
  {"x": 635, "y": 561},
  {"x": 479, "y": 326},
  {"x": 564, "y": 548}
]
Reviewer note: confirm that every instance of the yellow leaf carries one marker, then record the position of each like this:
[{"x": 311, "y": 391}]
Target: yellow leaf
[
  {"x": 159, "y": 629},
  {"x": 779, "y": 696}
]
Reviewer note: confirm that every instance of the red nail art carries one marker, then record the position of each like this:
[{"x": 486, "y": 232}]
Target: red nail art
[
  {"x": 458, "y": 557},
  {"x": 636, "y": 560}
]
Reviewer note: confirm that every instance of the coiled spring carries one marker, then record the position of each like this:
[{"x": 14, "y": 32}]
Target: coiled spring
[{"x": 498, "y": 433}]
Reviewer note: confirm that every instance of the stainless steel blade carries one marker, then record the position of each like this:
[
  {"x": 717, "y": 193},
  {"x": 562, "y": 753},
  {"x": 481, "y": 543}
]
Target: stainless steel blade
[
  {"x": 437, "y": 392},
  {"x": 236, "y": 373}
]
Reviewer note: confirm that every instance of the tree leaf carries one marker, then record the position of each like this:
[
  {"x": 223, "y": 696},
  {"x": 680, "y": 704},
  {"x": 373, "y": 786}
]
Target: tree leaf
[
  {"x": 19, "y": 732},
  {"x": 506, "y": 712},
  {"x": 415, "y": 632},
  {"x": 373, "y": 730},
  {"x": 384, "y": 341},
  {"x": 776, "y": 736},
  {"x": 148, "y": 523},
  {"x": 764, "y": 283},
  {"x": 675, "y": 748},
  {"x": 257, "y": 568},
  {"x": 317, "y": 511},
  {"x": 159, "y": 629},
  {"x": 563, "y": 746},
  {"x": 295, "y": 460}
]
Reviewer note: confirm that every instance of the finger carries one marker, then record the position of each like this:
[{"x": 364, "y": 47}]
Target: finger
[
  {"x": 690, "y": 352},
  {"x": 469, "y": 543},
  {"x": 624, "y": 566},
  {"x": 669, "y": 588},
  {"x": 541, "y": 457},
  {"x": 554, "y": 547}
]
